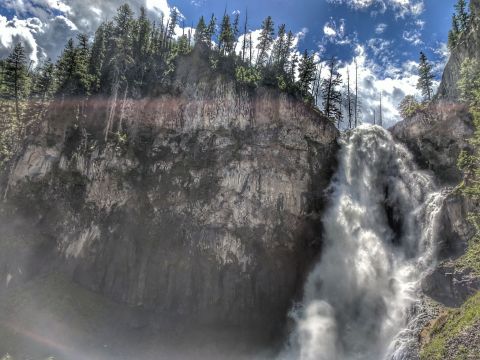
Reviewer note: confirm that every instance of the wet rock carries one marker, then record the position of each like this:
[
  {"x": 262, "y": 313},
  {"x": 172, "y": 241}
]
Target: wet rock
[{"x": 449, "y": 285}]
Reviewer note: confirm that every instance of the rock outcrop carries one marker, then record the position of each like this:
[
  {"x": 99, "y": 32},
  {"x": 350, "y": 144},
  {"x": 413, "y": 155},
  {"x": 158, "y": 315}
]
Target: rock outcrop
[
  {"x": 468, "y": 47},
  {"x": 203, "y": 205},
  {"x": 436, "y": 137}
]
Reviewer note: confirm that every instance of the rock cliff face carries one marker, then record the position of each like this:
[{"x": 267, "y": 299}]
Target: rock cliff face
[
  {"x": 203, "y": 205},
  {"x": 436, "y": 139},
  {"x": 468, "y": 47}
]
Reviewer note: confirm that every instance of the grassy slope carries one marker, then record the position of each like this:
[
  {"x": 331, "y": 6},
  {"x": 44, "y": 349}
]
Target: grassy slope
[
  {"x": 449, "y": 328},
  {"x": 471, "y": 259}
]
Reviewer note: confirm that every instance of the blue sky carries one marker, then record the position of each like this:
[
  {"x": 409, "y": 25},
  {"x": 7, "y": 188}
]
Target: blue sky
[
  {"x": 408, "y": 33},
  {"x": 385, "y": 36}
]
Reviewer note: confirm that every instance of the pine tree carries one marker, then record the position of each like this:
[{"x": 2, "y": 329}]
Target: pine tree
[
  {"x": 288, "y": 50},
  {"x": 97, "y": 57},
  {"x": 244, "y": 45},
  {"x": 141, "y": 47},
  {"x": 71, "y": 72},
  {"x": 279, "y": 50},
  {"x": 425, "y": 81},
  {"x": 454, "y": 32},
  {"x": 16, "y": 77},
  {"x": 236, "y": 30},
  {"x": 82, "y": 64},
  {"x": 211, "y": 28},
  {"x": 332, "y": 97},
  {"x": 462, "y": 14},
  {"x": 121, "y": 49},
  {"x": 45, "y": 84},
  {"x": 306, "y": 74},
  {"x": 226, "y": 37},
  {"x": 172, "y": 23},
  {"x": 292, "y": 68},
  {"x": 265, "y": 40},
  {"x": 201, "y": 32}
]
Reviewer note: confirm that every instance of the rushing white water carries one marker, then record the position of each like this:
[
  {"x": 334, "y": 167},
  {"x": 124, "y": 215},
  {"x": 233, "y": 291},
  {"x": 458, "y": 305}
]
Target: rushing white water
[{"x": 379, "y": 239}]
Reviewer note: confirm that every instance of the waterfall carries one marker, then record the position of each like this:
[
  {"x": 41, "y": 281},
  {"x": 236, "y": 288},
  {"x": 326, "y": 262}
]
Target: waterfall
[{"x": 378, "y": 240}]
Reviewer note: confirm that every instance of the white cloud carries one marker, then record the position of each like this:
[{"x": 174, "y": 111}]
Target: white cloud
[
  {"x": 24, "y": 31},
  {"x": 413, "y": 36},
  {"x": 380, "y": 28},
  {"x": 401, "y": 8},
  {"x": 255, "y": 41},
  {"x": 443, "y": 54},
  {"x": 336, "y": 33},
  {"x": 329, "y": 31},
  {"x": 420, "y": 24},
  {"x": 197, "y": 3},
  {"x": 158, "y": 6},
  {"x": 52, "y": 31},
  {"x": 392, "y": 82}
]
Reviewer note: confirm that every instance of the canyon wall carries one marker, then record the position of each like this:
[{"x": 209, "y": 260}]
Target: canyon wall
[{"x": 203, "y": 205}]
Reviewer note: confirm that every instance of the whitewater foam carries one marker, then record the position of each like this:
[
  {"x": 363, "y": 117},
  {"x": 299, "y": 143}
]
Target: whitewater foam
[{"x": 379, "y": 239}]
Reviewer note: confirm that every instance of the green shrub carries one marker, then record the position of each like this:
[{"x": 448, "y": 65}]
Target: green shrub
[{"x": 248, "y": 75}]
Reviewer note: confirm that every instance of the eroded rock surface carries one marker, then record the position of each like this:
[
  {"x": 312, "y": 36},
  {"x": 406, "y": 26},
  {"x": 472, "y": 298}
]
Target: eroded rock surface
[{"x": 203, "y": 206}]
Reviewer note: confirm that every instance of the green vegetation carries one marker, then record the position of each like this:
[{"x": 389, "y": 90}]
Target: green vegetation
[
  {"x": 469, "y": 162},
  {"x": 471, "y": 259},
  {"x": 450, "y": 326},
  {"x": 409, "y": 106},
  {"x": 460, "y": 23},
  {"x": 425, "y": 80},
  {"x": 133, "y": 57}
]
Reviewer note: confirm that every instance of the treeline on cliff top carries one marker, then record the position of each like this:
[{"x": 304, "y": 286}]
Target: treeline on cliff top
[{"x": 134, "y": 57}]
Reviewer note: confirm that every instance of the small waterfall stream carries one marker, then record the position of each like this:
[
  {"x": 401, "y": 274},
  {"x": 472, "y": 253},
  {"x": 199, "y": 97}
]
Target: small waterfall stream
[{"x": 378, "y": 241}]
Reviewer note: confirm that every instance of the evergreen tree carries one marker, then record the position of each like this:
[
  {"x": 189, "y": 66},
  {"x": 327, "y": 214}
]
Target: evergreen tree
[
  {"x": 244, "y": 45},
  {"x": 172, "y": 23},
  {"x": 45, "y": 84},
  {"x": 306, "y": 74},
  {"x": 120, "y": 49},
  {"x": 16, "y": 77},
  {"x": 183, "y": 45},
  {"x": 469, "y": 160},
  {"x": 236, "y": 30},
  {"x": 201, "y": 32},
  {"x": 226, "y": 37},
  {"x": 292, "y": 68},
  {"x": 454, "y": 32},
  {"x": 211, "y": 28},
  {"x": 469, "y": 83},
  {"x": 462, "y": 14},
  {"x": 71, "y": 72},
  {"x": 425, "y": 81},
  {"x": 97, "y": 57},
  {"x": 82, "y": 64},
  {"x": 265, "y": 40},
  {"x": 280, "y": 51},
  {"x": 141, "y": 47},
  {"x": 332, "y": 97},
  {"x": 287, "y": 50}
]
